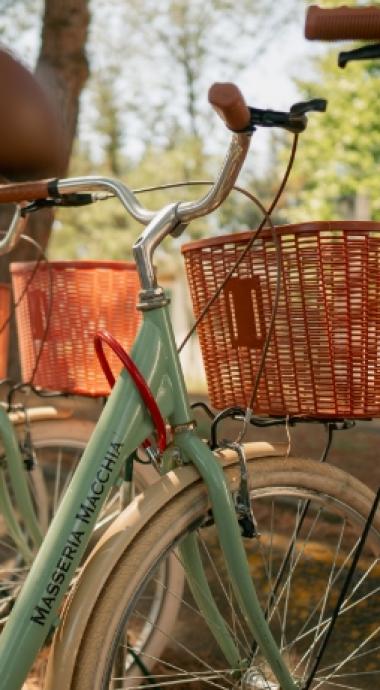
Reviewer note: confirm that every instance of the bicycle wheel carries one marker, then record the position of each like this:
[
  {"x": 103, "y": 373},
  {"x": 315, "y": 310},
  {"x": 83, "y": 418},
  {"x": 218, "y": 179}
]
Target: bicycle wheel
[
  {"x": 57, "y": 446},
  {"x": 310, "y": 559}
]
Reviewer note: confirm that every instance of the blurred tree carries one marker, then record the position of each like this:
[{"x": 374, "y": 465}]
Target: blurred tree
[
  {"x": 155, "y": 95},
  {"x": 335, "y": 174},
  {"x": 161, "y": 57},
  {"x": 108, "y": 123},
  {"x": 62, "y": 70},
  {"x": 336, "y": 166}
]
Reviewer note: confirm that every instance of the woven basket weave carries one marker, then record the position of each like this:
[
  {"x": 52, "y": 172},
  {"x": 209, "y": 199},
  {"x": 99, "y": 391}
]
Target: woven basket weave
[
  {"x": 5, "y": 303},
  {"x": 324, "y": 355},
  {"x": 81, "y": 297}
]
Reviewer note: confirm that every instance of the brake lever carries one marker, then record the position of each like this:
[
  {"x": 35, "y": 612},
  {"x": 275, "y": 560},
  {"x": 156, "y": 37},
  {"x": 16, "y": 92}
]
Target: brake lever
[
  {"x": 66, "y": 200},
  {"x": 317, "y": 105},
  {"x": 267, "y": 118},
  {"x": 297, "y": 115},
  {"x": 370, "y": 52},
  {"x": 294, "y": 121}
]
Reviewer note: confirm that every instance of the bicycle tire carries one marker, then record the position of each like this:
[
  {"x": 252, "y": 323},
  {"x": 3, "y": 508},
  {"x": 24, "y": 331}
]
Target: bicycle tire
[
  {"x": 344, "y": 502},
  {"x": 51, "y": 436},
  {"x": 57, "y": 443}
]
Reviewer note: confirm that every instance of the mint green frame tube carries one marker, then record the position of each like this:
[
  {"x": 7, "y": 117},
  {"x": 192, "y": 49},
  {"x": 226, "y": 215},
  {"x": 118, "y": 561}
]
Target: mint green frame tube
[
  {"x": 236, "y": 561},
  {"x": 122, "y": 427},
  {"x": 198, "y": 583},
  {"x": 14, "y": 464}
]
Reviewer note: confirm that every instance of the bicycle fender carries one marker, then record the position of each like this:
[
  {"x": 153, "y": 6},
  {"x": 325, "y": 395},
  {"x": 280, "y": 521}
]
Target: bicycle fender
[{"x": 109, "y": 549}]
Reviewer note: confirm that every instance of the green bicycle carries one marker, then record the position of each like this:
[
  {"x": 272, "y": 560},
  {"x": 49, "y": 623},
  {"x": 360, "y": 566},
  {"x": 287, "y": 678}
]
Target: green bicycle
[{"x": 243, "y": 622}]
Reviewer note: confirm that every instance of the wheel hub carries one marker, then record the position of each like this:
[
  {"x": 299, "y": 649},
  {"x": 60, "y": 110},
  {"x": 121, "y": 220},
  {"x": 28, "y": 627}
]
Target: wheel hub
[{"x": 253, "y": 679}]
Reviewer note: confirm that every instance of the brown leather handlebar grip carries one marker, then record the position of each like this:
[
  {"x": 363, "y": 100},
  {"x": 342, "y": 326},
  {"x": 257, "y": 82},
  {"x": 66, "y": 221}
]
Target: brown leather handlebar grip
[
  {"x": 24, "y": 191},
  {"x": 228, "y": 101},
  {"x": 343, "y": 23}
]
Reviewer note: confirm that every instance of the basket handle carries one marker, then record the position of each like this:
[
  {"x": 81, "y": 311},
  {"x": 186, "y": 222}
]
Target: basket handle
[{"x": 138, "y": 379}]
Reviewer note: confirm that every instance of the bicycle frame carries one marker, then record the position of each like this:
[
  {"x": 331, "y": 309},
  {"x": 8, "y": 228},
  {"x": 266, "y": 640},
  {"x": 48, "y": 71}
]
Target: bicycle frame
[
  {"x": 122, "y": 427},
  {"x": 125, "y": 424}
]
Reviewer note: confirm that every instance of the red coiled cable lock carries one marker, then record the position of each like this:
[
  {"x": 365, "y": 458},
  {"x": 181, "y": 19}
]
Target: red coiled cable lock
[{"x": 138, "y": 379}]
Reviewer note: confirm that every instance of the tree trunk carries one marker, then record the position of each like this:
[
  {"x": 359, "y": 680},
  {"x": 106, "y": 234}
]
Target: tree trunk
[
  {"x": 62, "y": 65},
  {"x": 62, "y": 70}
]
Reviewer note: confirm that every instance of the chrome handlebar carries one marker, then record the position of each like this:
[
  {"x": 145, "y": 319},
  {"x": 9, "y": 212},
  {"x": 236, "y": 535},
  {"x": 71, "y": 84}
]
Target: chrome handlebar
[
  {"x": 159, "y": 223},
  {"x": 106, "y": 184},
  {"x": 14, "y": 232},
  {"x": 233, "y": 162},
  {"x": 187, "y": 210}
]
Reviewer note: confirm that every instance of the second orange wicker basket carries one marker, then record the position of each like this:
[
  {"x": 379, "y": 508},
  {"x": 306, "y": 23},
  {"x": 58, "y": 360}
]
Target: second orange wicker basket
[
  {"x": 5, "y": 303},
  {"x": 64, "y": 305}
]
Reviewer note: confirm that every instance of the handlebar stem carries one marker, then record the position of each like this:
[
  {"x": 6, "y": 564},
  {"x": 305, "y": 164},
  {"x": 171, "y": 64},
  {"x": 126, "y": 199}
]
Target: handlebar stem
[
  {"x": 173, "y": 215},
  {"x": 162, "y": 225}
]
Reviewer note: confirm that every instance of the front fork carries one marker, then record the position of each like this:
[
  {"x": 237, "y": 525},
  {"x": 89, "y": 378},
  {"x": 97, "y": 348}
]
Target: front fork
[
  {"x": 229, "y": 535},
  {"x": 195, "y": 451}
]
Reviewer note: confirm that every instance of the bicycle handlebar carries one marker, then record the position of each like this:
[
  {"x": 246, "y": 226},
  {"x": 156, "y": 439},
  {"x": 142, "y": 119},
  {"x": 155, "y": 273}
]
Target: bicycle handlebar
[
  {"x": 343, "y": 23},
  {"x": 13, "y": 233},
  {"x": 228, "y": 102}
]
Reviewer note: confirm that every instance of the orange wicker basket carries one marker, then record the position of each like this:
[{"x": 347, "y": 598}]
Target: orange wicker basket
[
  {"x": 64, "y": 305},
  {"x": 324, "y": 355},
  {"x": 5, "y": 304}
]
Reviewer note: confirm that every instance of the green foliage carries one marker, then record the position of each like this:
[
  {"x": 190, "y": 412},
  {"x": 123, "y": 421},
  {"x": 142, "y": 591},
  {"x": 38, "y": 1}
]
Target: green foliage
[{"x": 339, "y": 153}]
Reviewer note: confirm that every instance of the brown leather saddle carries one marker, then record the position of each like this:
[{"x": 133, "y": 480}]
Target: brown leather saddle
[{"x": 30, "y": 140}]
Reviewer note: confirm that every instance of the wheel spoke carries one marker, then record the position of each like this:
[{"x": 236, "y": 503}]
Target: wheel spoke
[
  {"x": 229, "y": 597},
  {"x": 196, "y": 610},
  {"x": 342, "y": 611},
  {"x": 317, "y": 634},
  {"x": 181, "y": 673},
  {"x": 357, "y": 656},
  {"x": 297, "y": 560},
  {"x": 303, "y": 632},
  {"x": 297, "y": 565},
  {"x": 350, "y": 656},
  {"x": 182, "y": 646}
]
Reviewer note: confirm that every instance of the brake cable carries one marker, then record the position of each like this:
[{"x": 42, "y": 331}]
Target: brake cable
[{"x": 246, "y": 249}]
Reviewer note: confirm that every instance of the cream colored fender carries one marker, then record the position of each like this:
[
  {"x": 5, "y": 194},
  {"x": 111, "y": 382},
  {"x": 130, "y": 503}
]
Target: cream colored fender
[
  {"x": 108, "y": 551},
  {"x": 37, "y": 414}
]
